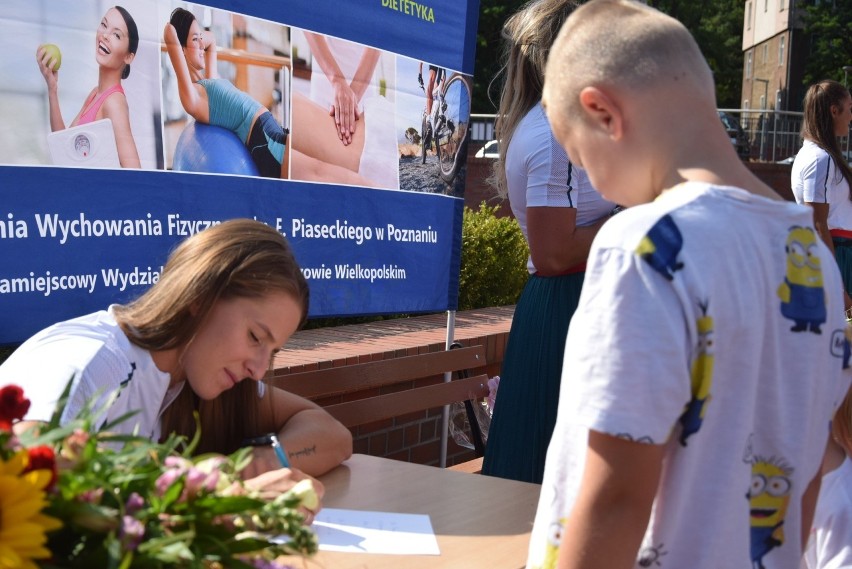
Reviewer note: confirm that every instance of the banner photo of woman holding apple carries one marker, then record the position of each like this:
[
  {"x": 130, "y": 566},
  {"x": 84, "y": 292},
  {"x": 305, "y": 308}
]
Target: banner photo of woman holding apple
[{"x": 86, "y": 97}]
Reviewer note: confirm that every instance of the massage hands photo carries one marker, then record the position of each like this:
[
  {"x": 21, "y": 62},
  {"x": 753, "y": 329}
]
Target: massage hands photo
[{"x": 348, "y": 87}]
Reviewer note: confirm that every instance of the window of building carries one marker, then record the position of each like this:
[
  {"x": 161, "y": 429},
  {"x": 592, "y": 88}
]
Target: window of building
[
  {"x": 745, "y": 105},
  {"x": 765, "y": 5},
  {"x": 763, "y": 102},
  {"x": 781, "y": 5},
  {"x": 765, "y": 52},
  {"x": 781, "y": 45},
  {"x": 748, "y": 15},
  {"x": 748, "y": 65}
]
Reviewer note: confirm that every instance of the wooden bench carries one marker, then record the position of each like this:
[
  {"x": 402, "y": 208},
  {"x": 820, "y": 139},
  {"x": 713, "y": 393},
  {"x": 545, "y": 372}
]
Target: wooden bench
[{"x": 404, "y": 385}]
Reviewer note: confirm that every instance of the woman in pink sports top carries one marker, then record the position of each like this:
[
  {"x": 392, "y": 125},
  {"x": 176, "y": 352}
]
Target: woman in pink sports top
[{"x": 116, "y": 42}]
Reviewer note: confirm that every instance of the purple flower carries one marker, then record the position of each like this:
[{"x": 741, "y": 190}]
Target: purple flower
[
  {"x": 131, "y": 532},
  {"x": 134, "y": 504},
  {"x": 493, "y": 384},
  {"x": 195, "y": 481},
  {"x": 91, "y": 496},
  {"x": 167, "y": 479}
]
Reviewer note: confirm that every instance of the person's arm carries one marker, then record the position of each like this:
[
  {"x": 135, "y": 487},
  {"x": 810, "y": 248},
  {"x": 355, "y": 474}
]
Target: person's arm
[
  {"x": 811, "y": 493},
  {"x": 605, "y": 527},
  {"x": 820, "y": 211},
  {"x": 190, "y": 97},
  {"x": 364, "y": 74},
  {"x": 115, "y": 108},
  {"x": 211, "y": 57},
  {"x": 556, "y": 243},
  {"x": 344, "y": 106},
  {"x": 313, "y": 441},
  {"x": 51, "y": 78}
]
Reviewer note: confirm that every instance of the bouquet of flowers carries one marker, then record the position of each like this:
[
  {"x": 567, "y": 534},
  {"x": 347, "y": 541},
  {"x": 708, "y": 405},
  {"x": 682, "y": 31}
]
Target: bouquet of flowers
[{"x": 73, "y": 496}]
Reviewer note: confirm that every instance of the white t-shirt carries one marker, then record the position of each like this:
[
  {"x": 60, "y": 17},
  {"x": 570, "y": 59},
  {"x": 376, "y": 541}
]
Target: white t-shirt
[
  {"x": 830, "y": 543},
  {"x": 97, "y": 354},
  {"x": 816, "y": 179},
  {"x": 538, "y": 172},
  {"x": 683, "y": 337}
]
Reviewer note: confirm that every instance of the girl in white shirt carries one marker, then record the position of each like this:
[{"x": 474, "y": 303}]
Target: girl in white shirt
[{"x": 821, "y": 177}]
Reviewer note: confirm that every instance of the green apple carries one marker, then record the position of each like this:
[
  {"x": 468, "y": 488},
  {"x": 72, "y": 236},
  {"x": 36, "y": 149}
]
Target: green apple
[{"x": 53, "y": 51}]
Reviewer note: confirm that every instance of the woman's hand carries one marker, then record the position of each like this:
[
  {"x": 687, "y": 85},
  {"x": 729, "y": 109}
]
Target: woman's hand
[
  {"x": 263, "y": 459},
  {"x": 45, "y": 64},
  {"x": 271, "y": 484},
  {"x": 344, "y": 109}
]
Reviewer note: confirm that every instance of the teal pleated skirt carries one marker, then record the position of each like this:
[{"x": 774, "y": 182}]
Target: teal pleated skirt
[
  {"x": 528, "y": 395},
  {"x": 843, "y": 254}
]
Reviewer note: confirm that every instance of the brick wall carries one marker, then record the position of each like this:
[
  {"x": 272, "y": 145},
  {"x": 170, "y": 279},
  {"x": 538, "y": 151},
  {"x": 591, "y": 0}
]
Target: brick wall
[{"x": 414, "y": 437}]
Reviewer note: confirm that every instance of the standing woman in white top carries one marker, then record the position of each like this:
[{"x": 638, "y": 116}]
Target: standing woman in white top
[
  {"x": 821, "y": 177},
  {"x": 559, "y": 213}
]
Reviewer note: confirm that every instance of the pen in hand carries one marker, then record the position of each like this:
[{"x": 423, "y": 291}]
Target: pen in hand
[{"x": 270, "y": 439}]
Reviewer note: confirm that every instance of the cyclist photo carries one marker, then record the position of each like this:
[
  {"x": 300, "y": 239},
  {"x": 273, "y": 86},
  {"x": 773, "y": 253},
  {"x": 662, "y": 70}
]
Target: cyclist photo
[{"x": 432, "y": 127}]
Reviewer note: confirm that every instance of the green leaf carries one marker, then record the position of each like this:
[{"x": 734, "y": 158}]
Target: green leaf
[{"x": 219, "y": 505}]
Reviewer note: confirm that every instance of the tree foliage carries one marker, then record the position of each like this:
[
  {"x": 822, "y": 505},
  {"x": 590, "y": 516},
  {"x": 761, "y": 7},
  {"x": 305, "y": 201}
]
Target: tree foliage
[
  {"x": 489, "y": 51},
  {"x": 829, "y": 26},
  {"x": 716, "y": 24}
]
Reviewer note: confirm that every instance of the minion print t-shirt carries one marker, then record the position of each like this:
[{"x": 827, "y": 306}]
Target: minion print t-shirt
[{"x": 711, "y": 322}]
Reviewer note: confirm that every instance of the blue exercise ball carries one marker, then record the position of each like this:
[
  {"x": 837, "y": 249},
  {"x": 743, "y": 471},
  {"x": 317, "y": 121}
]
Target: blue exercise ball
[{"x": 212, "y": 149}]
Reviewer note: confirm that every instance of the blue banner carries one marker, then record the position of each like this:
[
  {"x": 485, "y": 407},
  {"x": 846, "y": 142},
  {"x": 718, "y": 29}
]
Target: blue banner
[{"x": 108, "y": 159}]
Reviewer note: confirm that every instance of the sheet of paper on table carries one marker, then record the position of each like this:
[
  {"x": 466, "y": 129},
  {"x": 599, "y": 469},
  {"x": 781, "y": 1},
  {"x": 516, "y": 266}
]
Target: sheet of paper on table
[{"x": 375, "y": 532}]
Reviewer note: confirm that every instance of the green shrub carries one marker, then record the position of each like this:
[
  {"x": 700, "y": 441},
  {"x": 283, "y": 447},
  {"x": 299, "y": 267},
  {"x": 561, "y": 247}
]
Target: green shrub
[{"x": 493, "y": 259}]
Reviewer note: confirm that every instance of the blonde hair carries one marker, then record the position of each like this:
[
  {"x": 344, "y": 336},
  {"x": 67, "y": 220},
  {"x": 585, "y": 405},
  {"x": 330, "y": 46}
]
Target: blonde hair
[
  {"x": 841, "y": 425},
  {"x": 240, "y": 258},
  {"x": 529, "y": 33},
  {"x": 623, "y": 44}
]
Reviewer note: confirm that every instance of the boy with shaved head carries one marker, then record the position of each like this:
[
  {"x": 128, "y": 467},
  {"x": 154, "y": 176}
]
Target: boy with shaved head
[{"x": 707, "y": 354}]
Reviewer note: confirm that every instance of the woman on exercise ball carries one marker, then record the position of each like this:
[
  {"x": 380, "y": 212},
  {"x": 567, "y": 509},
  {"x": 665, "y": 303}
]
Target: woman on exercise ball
[{"x": 210, "y": 99}]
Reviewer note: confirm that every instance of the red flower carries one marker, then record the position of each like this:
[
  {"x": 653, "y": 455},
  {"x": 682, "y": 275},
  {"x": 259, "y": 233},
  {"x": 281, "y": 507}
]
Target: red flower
[
  {"x": 42, "y": 458},
  {"x": 13, "y": 406}
]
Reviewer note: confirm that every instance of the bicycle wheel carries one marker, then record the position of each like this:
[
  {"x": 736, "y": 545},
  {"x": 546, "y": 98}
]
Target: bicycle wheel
[{"x": 455, "y": 133}]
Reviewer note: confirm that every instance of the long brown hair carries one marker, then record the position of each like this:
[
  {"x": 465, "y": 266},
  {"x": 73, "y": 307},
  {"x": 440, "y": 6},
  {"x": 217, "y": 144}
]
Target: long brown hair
[
  {"x": 529, "y": 33},
  {"x": 241, "y": 258},
  {"x": 818, "y": 123},
  {"x": 841, "y": 425}
]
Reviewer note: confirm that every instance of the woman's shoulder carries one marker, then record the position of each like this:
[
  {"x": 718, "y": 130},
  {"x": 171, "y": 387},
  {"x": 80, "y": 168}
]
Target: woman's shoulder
[
  {"x": 115, "y": 103},
  {"x": 809, "y": 152}
]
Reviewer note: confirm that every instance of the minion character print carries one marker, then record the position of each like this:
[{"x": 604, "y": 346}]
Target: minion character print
[
  {"x": 701, "y": 376},
  {"x": 554, "y": 539},
  {"x": 802, "y": 295},
  {"x": 768, "y": 496},
  {"x": 661, "y": 246}
]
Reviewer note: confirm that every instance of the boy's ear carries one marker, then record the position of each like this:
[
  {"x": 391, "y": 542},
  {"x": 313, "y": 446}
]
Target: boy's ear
[{"x": 602, "y": 111}]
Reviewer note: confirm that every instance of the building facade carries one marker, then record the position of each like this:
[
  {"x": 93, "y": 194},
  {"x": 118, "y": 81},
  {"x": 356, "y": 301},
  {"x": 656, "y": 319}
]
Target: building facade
[{"x": 774, "y": 52}]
